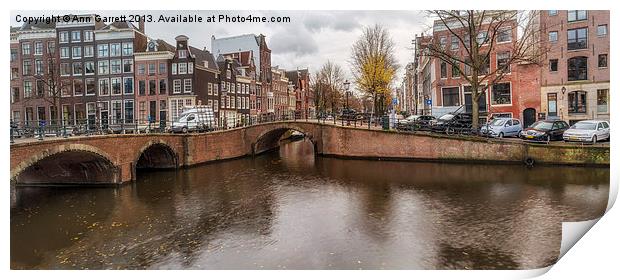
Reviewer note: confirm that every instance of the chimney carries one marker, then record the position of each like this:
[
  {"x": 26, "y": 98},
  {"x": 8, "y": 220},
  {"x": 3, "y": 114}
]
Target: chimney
[{"x": 141, "y": 25}]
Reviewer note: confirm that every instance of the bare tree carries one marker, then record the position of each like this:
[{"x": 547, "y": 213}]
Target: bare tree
[
  {"x": 374, "y": 65},
  {"x": 477, "y": 34},
  {"x": 52, "y": 82}
]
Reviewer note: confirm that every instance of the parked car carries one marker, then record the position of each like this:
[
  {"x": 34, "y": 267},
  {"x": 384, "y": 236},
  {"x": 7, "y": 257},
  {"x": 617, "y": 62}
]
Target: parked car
[
  {"x": 406, "y": 123},
  {"x": 544, "y": 130},
  {"x": 424, "y": 122},
  {"x": 450, "y": 123},
  {"x": 587, "y": 131},
  {"x": 502, "y": 127}
]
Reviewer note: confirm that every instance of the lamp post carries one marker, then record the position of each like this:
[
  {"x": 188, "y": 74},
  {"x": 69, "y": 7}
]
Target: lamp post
[{"x": 346, "y": 92}]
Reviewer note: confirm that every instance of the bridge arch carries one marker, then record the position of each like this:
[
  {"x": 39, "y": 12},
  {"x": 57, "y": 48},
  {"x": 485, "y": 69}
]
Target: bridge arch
[
  {"x": 156, "y": 154},
  {"x": 67, "y": 164},
  {"x": 269, "y": 138}
]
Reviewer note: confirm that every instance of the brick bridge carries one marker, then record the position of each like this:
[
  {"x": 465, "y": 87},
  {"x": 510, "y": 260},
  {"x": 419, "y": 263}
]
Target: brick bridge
[{"x": 114, "y": 159}]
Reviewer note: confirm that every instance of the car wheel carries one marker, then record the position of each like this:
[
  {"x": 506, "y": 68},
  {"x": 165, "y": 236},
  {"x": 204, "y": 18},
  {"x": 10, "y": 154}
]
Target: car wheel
[
  {"x": 501, "y": 135},
  {"x": 594, "y": 139},
  {"x": 184, "y": 130}
]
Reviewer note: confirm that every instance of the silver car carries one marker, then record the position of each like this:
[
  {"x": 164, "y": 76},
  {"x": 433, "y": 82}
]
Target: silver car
[
  {"x": 587, "y": 131},
  {"x": 502, "y": 127}
]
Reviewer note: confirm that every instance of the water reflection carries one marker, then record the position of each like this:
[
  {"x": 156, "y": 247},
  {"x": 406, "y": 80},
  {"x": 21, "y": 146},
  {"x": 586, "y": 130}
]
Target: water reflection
[{"x": 288, "y": 209}]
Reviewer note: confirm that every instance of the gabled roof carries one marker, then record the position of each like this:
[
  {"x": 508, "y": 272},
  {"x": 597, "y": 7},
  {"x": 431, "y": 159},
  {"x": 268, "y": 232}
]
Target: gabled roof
[
  {"x": 36, "y": 26},
  {"x": 295, "y": 75},
  {"x": 164, "y": 46},
  {"x": 203, "y": 55},
  {"x": 119, "y": 25}
]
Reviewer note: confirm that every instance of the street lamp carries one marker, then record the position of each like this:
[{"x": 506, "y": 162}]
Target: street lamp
[{"x": 346, "y": 91}]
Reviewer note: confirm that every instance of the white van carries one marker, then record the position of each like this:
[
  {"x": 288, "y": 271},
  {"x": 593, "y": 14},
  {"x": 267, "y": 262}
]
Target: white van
[{"x": 197, "y": 118}]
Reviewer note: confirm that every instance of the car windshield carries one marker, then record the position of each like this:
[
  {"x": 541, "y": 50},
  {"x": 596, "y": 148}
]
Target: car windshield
[
  {"x": 542, "y": 125},
  {"x": 497, "y": 122},
  {"x": 446, "y": 117},
  {"x": 584, "y": 126},
  {"x": 412, "y": 118}
]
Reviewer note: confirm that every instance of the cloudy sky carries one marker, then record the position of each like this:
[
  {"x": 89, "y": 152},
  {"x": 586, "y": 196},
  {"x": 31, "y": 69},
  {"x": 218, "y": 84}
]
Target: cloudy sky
[{"x": 310, "y": 39}]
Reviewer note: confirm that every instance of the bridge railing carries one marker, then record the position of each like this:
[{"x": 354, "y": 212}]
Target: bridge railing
[{"x": 40, "y": 129}]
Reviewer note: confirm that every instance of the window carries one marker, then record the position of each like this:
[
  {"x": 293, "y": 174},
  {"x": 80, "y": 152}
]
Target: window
[
  {"x": 182, "y": 53},
  {"x": 63, "y": 37},
  {"x": 151, "y": 68},
  {"x": 215, "y": 106},
  {"x": 187, "y": 85},
  {"x": 504, "y": 35},
  {"x": 89, "y": 68},
  {"x": 232, "y": 90},
  {"x": 127, "y": 49},
  {"x": 14, "y": 73},
  {"x": 13, "y": 55},
  {"x": 103, "y": 50},
  {"x": 104, "y": 87},
  {"x": 77, "y": 52},
  {"x": 553, "y": 12},
  {"x": 90, "y": 86},
  {"x": 40, "y": 88},
  {"x": 64, "y": 52},
  {"x": 104, "y": 67},
  {"x": 76, "y": 36},
  {"x": 553, "y": 36},
  {"x": 552, "y": 104},
  {"x": 78, "y": 87},
  {"x": 115, "y": 49},
  {"x": 27, "y": 67},
  {"x": 576, "y": 15},
  {"x": 503, "y": 60},
  {"x": 51, "y": 47},
  {"x": 553, "y": 65},
  {"x": 115, "y": 66},
  {"x": 162, "y": 86},
  {"x": 88, "y": 36},
  {"x": 174, "y": 68},
  {"x": 127, "y": 65},
  {"x": 209, "y": 89},
  {"x": 116, "y": 86},
  {"x": 128, "y": 85},
  {"x": 578, "y": 68},
  {"x": 162, "y": 68},
  {"x": 501, "y": 94},
  {"x": 456, "y": 72},
  {"x": 88, "y": 51},
  {"x": 182, "y": 68},
  {"x": 152, "y": 87},
  {"x": 142, "y": 87},
  {"x": 141, "y": 69},
  {"x": 444, "y": 70},
  {"x": 482, "y": 38},
  {"x": 484, "y": 70},
  {"x": 77, "y": 68},
  {"x": 38, "y": 67},
  {"x": 577, "y": 102},
  {"x": 176, "y": 86},
  {"x": 128, "y": 111},
  {"x": 601, "y": 30},
  {"x": 577, "y": 38},
  {"x": 38, "y": 48},
  {"x": 26, "y": 49},
  {"x": 65, "y": 69},
  {"x": 443, "y": 41},
  {"x": 454, "y": 43},
  {"x": 450, "y": 96},
  {"x": 190, "y": 67},
  {"x": 117, "y": 107},
  {"x": 602, "y": 60},
  {"x": 602, "y": 98},
  {"x": 27, "y": 89}
]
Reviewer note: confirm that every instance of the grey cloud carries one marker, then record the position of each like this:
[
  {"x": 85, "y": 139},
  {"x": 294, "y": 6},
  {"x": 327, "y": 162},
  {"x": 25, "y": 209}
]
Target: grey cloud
[{"x": 295, "y": 40}]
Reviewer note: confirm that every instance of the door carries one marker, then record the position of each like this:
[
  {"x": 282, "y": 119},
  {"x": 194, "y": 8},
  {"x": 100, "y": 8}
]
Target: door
[
  {"x": 516, "y": 127},
  {"x": 152, "y": 111},
  {"x": 529, "y": 117}
]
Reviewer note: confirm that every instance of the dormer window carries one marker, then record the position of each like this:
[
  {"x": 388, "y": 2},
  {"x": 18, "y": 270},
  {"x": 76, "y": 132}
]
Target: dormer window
[
  {"x": 152, "y": 47},
  {"x": 182, "y": 54}
]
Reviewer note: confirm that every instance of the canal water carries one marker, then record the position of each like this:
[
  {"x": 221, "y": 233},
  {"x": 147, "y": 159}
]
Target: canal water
[{"x": 291, "y": 210}]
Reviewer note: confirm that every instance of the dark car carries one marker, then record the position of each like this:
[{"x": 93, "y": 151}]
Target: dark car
[
  {"x": 424, "y": 122},
  {"x": 545, "y": 130},
  {"x": 452, "y": 123}
]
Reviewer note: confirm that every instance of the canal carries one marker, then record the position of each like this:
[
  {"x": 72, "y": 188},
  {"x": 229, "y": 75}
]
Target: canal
[{"x": 288, "y": 209}]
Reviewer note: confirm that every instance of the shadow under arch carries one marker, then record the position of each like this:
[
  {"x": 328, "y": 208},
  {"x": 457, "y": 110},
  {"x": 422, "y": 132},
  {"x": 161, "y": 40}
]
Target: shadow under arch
[
  {"x": 67, "y": 165},
  {"x": 156, "y": 155},
  {"x": 270, "y": 139}
]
